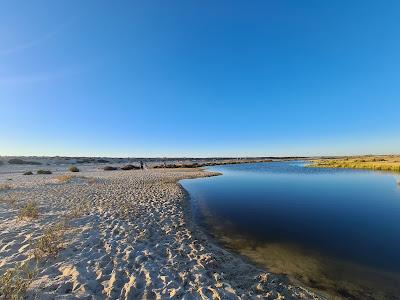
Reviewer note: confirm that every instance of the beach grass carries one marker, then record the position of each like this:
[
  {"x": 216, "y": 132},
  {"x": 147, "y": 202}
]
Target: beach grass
[
  {"x": 29, "y": 211},
  {"x": 379, "y": 163},
  {"x": 15, "y": 282},
  {"x": 50, "y": 243},
  {"x": 65, "y": 178}
]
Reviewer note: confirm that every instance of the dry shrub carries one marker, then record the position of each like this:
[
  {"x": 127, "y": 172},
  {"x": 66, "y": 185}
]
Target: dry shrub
[
  {"x": 44, "y": 172},
  {"x": 74, "y": 213},
  {"x": 68, "y": 178},
  {"x": 29, "y": 211},
  {"x": 65, "y": 178},
  {"x": 50, "y": 243},
  {"x": 15, "y": 282},
  {"x": 73, "y": 169}
]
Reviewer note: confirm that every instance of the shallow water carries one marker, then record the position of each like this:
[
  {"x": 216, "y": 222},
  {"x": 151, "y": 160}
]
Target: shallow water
[{"x": 335, "y": 230}]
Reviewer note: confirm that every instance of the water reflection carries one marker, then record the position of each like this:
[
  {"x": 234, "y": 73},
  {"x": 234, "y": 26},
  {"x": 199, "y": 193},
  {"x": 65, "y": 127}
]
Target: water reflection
[{"x": 334, "y": 230}]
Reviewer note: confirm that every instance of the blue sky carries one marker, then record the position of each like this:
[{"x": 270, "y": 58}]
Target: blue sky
[{"x": 199, "y": 78}]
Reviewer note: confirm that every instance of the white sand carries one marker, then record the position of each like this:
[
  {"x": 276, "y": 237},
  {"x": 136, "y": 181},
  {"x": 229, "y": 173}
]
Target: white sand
[{"x": 130, "y": 237}]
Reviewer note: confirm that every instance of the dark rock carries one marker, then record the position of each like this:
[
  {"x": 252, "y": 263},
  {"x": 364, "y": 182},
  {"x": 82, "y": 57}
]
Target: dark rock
[
  {"x": 109, "y": 168},
  {"x": 130, "y": 167},
  {"x": 44, "y": 172}
]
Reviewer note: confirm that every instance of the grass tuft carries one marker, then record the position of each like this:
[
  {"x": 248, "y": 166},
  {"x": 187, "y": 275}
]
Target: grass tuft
[
  {"x": 15, "y": 282},
  {"x": 65, "y": 178},
  {"x": 74, "y": 213},
  {"x": 50, "y": 243},
  {"x": 29, "y": 211}
]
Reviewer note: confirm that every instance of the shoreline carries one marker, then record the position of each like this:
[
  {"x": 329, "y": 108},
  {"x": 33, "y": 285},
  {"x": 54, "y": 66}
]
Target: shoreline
[
  {"x": 219, "y": 242},
  {"x": 307, "y": 271},
  {"x": 126, "y": 235}
]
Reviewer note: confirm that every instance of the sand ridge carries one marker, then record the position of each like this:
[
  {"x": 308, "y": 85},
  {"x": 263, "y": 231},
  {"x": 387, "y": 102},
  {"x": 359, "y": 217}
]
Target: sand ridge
[{"x": 126, "y": 235}]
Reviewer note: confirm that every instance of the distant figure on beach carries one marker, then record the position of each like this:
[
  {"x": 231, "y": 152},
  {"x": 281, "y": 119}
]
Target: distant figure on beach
[{"x": 141, "y": 165}]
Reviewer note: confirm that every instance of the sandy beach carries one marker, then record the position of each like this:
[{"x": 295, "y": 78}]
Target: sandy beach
[{"x": 118, "y": 235}]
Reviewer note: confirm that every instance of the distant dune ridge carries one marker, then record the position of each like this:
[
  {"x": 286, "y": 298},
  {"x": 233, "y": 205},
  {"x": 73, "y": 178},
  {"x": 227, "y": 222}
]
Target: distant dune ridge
[{"x": 125, "y": 234}]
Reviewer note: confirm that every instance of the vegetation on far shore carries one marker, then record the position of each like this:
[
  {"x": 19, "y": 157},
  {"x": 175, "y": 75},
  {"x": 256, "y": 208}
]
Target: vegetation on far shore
[
  {"x": 380, "y": 162},
  {"x": 206, "y": 164},
  {"x": 18, "y": 161}
]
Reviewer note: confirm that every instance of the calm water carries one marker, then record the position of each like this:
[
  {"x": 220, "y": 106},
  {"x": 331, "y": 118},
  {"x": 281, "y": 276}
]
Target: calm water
[{"x": 335, "y": 230}]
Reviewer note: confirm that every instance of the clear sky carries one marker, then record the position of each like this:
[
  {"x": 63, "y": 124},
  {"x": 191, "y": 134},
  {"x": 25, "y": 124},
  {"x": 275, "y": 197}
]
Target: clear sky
[{"x": 199, "y": 78}]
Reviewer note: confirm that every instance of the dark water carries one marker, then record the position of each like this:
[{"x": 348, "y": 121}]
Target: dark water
[{"x": 335, "y": 230}]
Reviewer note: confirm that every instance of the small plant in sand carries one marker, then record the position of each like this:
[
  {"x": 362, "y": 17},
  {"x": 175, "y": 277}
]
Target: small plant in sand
[
  {"x": 73, "y": 169},
  {"x": 15, "y": 282},
  {"x": 74, "y": 213},
  {"x": 50, "y": 243},
  {"x": 8, "y": 200},
  {"x": 65, "y": 178},
  {"x": 29, "y": 211},
  {"x": 4, "y": 187},
  {"x": 28, "y": 173}
]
